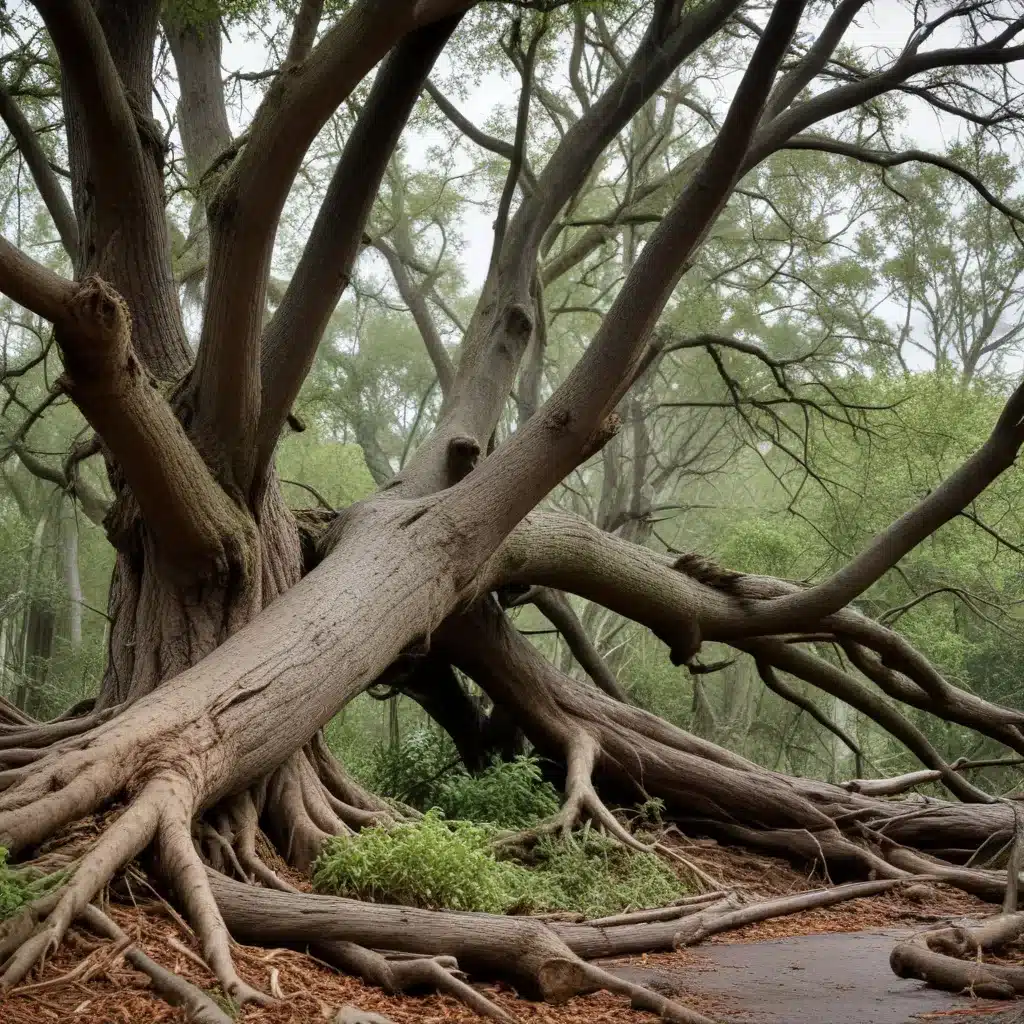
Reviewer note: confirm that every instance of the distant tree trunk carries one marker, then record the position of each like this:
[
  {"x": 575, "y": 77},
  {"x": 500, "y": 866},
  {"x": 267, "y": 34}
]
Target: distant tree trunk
[{"x": 72, "y": 577}]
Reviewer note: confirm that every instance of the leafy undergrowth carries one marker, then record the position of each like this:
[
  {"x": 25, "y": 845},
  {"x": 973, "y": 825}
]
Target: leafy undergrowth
[
  {"x": 19, "y": 886},
  {"x": 447, "y": 860},
  {"x": 440, "y": 864},
  {"x": 423, "y": 771}
]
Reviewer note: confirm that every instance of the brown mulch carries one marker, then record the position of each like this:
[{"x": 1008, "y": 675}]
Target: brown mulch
[
  {"x": 312, "y": 991},
  {"x": 112, "y": 991}
]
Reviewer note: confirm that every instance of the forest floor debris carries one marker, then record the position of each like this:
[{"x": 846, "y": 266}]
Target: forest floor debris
[{"x": 311, "y": 991}]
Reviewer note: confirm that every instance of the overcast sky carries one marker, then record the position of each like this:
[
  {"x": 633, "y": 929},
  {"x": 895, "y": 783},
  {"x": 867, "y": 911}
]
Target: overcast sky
[{"x": 884, "y": 26}]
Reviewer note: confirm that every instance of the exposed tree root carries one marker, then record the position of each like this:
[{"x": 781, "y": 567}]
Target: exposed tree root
[
  {"x": 581, "y": 800},
  {"x": 950, "y": 958},
  {"x": 396, "y": 973},
  {"x": 715, "y": 920},
  {"x": 525, "y": 952},
  {"x": 126, "y": 837},
  {"x": 185, "y": 870},
  {"x": 199, "y": 1007}
]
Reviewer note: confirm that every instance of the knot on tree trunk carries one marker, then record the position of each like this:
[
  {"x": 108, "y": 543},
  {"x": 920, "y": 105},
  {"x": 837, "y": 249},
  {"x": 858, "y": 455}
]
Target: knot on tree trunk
[
  {"x": 518, "y": 323},
  {"x": 94, "y": 338},
  {"x": 463, "y": 455},
  {"x": 149, "y": 130}
]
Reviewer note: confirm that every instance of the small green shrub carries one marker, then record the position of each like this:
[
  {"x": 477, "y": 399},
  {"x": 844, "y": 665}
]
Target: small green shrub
[
  {"x": 511, "y": 794},
  {"x": 439, "y": 864},
  {"x": 20, "y": 886},
  {"x": 414, "y": 771},
  {"x": 429, "y": 863},
  {"x": 591, "y": 874},
  {"x": 423, "y": 771}
]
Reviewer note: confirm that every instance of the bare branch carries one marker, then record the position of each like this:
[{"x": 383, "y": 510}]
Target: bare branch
[
  {"x": 845, "y": 687},
  {"x": 881, "y": 158},
  {"x": 42, "y": 174},
  {"x": 478, "y": 135},
  {"x": 949, "y": 499},
  {"x": 293, "y": 333},
  {"x": 526, "y": 67},
  {"x": 771, "y": 679},
  {"x": 800, "y": 116},
  {"x": 557, "y": 610},
  {"x": 93, "y": 503},
  {"x": 414, "y": 298}
]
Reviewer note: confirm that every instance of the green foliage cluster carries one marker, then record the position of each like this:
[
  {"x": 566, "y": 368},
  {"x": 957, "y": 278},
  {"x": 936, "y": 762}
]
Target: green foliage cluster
[
  {"x": 19, "y": 887},
  {"x": 423, "y": 771},
  {"x": 440, "y": 864},
  {"x": 410, "y": 772},
  {"x": 511, "y": 794}
]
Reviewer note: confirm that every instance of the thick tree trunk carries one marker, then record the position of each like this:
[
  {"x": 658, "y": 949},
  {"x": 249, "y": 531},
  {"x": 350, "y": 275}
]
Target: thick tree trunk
[{"x": 160, "y": 628}]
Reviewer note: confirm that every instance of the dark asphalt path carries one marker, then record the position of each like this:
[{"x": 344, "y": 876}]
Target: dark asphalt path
[{"x": 836, "y": 978}]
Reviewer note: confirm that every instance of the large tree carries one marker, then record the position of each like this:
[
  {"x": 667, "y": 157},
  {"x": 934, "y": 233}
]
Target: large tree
[{"x": 230, "y": 612}]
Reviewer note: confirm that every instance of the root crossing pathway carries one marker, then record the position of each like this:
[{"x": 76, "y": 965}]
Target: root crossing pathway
[{"x": 839, "y": 978}]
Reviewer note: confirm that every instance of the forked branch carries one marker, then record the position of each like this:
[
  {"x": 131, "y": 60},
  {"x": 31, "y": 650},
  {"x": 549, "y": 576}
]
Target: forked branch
[
  {"x": 194, "y": 523},
  {"x": 293, "y": 334}
]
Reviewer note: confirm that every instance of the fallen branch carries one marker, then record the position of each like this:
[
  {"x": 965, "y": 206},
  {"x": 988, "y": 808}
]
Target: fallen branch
[
  {"x": 714, "y": 923},
  {"x": 950, "y": 958}
]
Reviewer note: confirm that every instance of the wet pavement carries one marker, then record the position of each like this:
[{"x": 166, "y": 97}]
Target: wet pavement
[{"x": 834, "y": 978}]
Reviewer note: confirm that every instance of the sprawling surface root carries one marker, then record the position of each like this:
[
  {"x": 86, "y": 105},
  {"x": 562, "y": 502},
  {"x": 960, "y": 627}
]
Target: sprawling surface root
[
  {"x": 50, "y": 919},
  {"x": 198, "y": 1006},
  {"x": 950, "y": 958},
  {"x": 581, "y": 800},
  {"x": 523, "y": 951},
  {"x": 397, "y": 972},
  {"x": 57, "y": 773}
]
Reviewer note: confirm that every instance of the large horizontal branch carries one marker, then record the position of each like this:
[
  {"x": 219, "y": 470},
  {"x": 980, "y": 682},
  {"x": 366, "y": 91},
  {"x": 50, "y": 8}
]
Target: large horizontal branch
[
  {"x": 42, "y": 173},
  {"x": 688, "y": 600},
  {"x": 32, "y": 285},
  {"x": 291, "y": 338}
]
